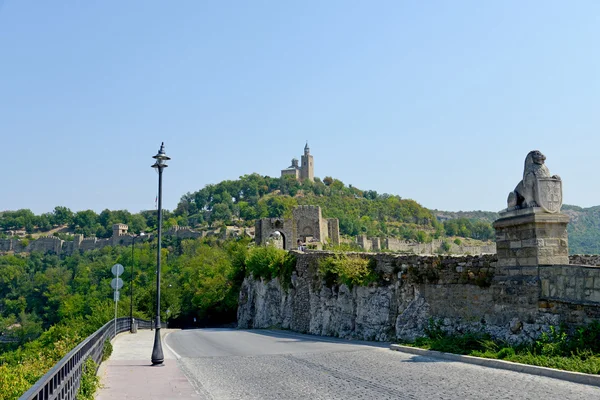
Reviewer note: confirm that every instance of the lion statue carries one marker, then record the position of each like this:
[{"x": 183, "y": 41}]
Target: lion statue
[{"x": 524, "y": 194}]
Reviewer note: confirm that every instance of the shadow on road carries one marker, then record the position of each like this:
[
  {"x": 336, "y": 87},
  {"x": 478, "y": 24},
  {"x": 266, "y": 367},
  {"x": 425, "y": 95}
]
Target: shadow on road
[{"x": 423, "y": 359}]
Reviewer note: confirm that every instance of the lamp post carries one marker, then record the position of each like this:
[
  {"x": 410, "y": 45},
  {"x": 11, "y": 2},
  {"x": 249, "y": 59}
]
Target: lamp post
[
  {"x": 160, "y": 164},
  {"x": 131, "y": 283}
]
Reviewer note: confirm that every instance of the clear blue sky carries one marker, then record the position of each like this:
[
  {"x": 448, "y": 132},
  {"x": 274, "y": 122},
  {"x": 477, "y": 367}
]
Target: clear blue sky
[{"x": 438, "y": 101}]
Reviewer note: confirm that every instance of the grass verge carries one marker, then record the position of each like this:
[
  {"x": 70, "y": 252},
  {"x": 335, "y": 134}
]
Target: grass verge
[{"x": 575, "y": 350}]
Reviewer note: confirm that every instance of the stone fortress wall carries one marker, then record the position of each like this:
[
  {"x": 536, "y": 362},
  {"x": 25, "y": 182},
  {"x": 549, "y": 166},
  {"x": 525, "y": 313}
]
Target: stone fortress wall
[
  {"x": 434, "y": 247},
  {"x": 120, "y": 237},
  {"x": 306, "y": 225},
  {"x": 515, "y": 295},
  {"x": 460, "y": 292}
]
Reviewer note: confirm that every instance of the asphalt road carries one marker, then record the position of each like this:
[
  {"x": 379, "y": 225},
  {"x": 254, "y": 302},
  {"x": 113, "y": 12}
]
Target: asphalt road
[{"x": 279, "y": 365}]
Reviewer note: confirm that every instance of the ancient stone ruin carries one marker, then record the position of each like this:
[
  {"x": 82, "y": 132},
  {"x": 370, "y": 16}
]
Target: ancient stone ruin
[
  {"x": 531, "y": 284},
  {"x": 306, "y": 225},
  {"x": 120, "y": 237}
]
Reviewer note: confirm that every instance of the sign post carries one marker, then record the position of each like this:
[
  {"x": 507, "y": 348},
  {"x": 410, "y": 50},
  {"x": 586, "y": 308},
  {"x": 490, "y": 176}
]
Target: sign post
[{"x": 116, "y": 284}]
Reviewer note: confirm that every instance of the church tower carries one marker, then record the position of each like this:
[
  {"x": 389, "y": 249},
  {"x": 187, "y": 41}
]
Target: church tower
[{"x": 307, "y": 170}]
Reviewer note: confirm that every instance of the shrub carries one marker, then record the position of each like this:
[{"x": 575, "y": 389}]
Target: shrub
[
  {"x": 107, "y": 350},
  {"x": 347, "y": 270},
  {"x": 505, "y": 353},
  {"x": 269, "y": 262},
  {"x": 89, "y": 380},
  {"x": 446, "y": 246}
]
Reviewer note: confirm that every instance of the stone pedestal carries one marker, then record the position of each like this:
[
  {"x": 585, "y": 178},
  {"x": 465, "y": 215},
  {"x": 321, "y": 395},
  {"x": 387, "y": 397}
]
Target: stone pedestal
[{"x": 531, "y": 237}]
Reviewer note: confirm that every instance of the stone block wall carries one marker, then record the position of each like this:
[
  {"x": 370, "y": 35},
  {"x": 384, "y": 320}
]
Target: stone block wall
[
  {"x": 53, "y": 244},
  {"x": 265, "y": 227},
  {"x": 435, "y": 247},
  {"x": 183, "y": 232},
  {"x": 46, "y": 244},
  {"x": 309, "y": 223},
  {"x": 514, "y": 303},
  {"x": 570, "y": 284},
  {"x": 527, "y": 238},
  {"x": 333, "y": 230},
  {"x": 579, "y": 259},
  {"x": 363, "y": 242}
]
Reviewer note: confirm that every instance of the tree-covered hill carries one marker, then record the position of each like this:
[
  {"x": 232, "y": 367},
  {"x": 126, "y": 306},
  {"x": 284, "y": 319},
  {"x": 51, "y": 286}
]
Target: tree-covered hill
[
  {"x": 584, "y": 229},
  {"x": 487, "y": 216},
  {"x": 253, "y": 196},
  {"x": 359, "y": 211}
]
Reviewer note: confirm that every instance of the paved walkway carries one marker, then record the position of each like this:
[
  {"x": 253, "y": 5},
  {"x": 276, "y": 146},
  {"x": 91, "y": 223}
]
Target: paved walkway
[{"x": 129, "y": 375}]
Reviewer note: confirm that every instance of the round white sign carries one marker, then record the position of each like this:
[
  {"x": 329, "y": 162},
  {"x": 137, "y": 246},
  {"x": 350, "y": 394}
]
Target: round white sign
[
  {"x": 117, "y": 269},
  {"x": 116, "y": 283}
]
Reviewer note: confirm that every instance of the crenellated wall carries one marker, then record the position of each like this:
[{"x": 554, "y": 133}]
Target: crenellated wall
[{"x": 462, "y": 293}]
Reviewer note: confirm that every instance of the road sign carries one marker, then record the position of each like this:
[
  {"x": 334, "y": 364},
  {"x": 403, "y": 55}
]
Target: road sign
[
  {"x": 117, "y": 269},
  {"x": 116, "y": 296},
  {"x": 116, "y": 283}
]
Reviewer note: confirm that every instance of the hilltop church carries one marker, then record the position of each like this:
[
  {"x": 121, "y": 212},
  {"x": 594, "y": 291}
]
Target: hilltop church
[{"x": 305, "y": 171}]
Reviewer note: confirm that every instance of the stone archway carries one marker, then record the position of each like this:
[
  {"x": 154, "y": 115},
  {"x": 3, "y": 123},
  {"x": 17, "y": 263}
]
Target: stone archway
[{"x": 276, "y": 235}]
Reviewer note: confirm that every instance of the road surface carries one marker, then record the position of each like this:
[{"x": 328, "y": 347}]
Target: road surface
[{"x": 267, "y": 364}]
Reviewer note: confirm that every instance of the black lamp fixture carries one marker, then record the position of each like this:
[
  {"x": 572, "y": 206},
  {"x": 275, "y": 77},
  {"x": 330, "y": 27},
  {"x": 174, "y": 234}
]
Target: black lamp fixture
[{"x": 160, "y": 164}]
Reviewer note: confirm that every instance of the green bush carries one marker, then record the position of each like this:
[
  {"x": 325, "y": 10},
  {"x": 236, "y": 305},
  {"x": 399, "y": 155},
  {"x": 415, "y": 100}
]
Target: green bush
[
  {"x": 446, "y": 246},
  {"x": 89, "y": 380},
  {"x": 269, "y": 262},
  {"x": 506, "y": 353},
  {"x": 347, "y": 270},
  {"x": 107, "y": 350}
]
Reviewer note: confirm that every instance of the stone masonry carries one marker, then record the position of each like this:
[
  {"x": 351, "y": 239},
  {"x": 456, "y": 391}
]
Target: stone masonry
[
  {"x": 307, "y": 225},
  {"x": 120, "y": 237},
  {"x": 532, "y": 237},
  {"x": 305, "y": 171},
  {"x": 530, "y": 285},
  {"x": 461, "y": 293}
]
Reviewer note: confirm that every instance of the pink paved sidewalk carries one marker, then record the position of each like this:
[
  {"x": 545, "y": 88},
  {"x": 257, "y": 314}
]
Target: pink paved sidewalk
[{"x": 128, "y": 374}]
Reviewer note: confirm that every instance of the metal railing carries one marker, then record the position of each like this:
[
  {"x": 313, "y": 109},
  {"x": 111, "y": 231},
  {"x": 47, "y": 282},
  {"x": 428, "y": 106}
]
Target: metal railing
[{"x": 62, "y": 381}]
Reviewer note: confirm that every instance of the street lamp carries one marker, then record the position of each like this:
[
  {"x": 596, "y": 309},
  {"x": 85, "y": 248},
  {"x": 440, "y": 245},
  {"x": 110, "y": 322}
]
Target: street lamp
[
  {"x": 131, "y": 283},
  {"x": 160, "y": 164}
]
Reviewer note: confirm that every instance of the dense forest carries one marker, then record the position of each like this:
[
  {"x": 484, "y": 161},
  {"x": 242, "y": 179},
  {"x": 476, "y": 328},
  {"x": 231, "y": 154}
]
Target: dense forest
[{"x": 48, "y": 304}]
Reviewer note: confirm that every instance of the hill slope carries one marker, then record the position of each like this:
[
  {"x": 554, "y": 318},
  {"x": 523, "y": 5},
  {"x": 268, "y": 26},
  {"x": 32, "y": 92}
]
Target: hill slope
[
  {"x": 254, "y": 196},
  {"x": 583, "y": 228}
]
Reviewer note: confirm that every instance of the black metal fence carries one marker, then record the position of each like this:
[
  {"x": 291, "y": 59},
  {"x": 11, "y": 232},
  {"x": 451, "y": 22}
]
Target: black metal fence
[{"x": 62, "y": 381}]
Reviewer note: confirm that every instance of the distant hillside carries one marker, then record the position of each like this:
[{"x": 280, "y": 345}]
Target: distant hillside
[
  {"x": 583, "y": 228},
  {"x": 488, "y": 216}
]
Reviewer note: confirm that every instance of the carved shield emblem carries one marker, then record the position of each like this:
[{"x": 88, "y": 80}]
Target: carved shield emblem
[{"x": 548, "y": 194}]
